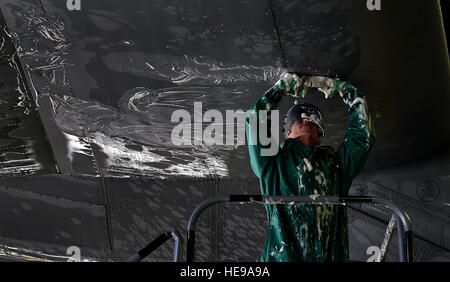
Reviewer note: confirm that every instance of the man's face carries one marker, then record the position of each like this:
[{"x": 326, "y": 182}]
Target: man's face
[{"x": 306, "y": 132}]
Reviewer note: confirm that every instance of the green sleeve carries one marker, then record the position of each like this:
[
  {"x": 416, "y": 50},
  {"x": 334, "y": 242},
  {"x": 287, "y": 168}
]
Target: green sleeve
[
  {"x": 268, "y": 101},
  {"x": 359, "y": 138}
]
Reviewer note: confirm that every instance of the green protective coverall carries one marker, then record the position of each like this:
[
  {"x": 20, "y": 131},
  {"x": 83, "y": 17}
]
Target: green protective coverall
[{"x": 302, "y": 232}]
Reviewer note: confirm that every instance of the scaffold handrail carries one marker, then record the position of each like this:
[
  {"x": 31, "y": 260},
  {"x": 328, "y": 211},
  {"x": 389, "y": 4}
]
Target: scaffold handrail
[{"x": 404, "y": 225}]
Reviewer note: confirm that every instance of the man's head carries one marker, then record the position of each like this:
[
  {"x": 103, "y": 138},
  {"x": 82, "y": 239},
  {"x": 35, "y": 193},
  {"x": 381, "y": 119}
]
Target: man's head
[{"x": 304, "y": 123}]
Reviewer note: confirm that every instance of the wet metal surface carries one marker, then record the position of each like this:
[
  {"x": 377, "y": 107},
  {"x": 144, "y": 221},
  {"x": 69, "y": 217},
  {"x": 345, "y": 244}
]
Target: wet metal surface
[
  {"x": 102, "y": 84},
  {"x": 52, "y": 220},
  {"x": 113, "y": 87},
  {"x": 24, "y": 148}
]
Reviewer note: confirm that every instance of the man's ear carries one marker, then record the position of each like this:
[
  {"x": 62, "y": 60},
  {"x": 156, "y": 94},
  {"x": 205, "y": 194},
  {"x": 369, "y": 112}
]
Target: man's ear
[{"x": 287, "y": 135}]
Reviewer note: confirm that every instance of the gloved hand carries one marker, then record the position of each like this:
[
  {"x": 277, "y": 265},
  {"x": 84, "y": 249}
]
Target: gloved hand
[
  {"x": 328, "y": 86},
  {"x": 297, "y": 86},
  {"x": 294, "y": 85}
]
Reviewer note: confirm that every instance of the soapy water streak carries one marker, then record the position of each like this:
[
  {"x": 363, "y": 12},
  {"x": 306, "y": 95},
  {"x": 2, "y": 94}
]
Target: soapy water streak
[
  {"x": 45, "y": 55},
  {"x": 144, "y": 112},
  {"x": 23, "y": 254},
  {"x": 17, "y": 155},
  {"x": 142, "y": 115},
  {"x": 135, "y": 136},
  {"x": 193, "y": 70}
]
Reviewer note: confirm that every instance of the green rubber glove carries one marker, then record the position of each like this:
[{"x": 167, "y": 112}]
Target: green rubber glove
[
  {"x": 329, "y": 86},
  {"x": 294, "y": 85}
]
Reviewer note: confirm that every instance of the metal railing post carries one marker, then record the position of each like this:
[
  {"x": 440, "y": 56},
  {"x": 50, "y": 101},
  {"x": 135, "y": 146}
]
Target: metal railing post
[
  {"x": 387, "y": 237},
  {"x": 161, "y": 239},
  {"x": 178, "y": 243},
  {"x": 404, "y": 230},
  {"x": 190, "y": 254}
]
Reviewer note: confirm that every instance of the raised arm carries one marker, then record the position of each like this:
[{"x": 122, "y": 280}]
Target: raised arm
[
  {"x": 258, "y": 120},
  {"x": 360, "y": 135}
]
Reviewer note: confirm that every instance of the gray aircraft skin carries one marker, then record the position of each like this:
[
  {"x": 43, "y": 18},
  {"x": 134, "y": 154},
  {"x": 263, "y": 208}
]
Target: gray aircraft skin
[{"x": 87, "y": 162}]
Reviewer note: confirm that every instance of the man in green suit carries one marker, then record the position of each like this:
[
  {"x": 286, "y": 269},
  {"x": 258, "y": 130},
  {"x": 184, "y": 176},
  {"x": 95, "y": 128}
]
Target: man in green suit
[{"x": 303, "y": 232}]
